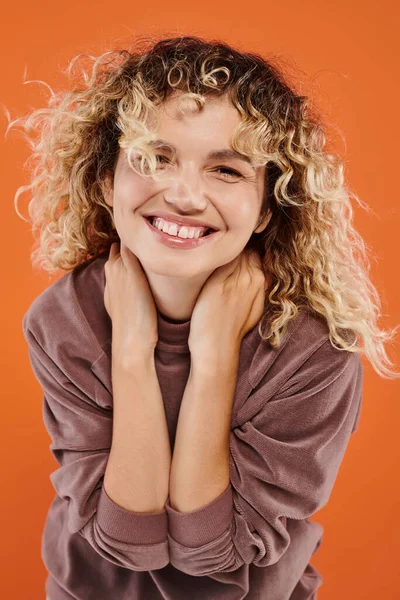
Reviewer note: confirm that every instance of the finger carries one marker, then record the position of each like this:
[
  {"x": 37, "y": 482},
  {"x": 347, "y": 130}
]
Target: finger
[
  {"x": 128, "y": 256},
  {"x": 231, "y": 266},
  {"x": 114, "y": 249},
  {"x": 267, "y": 281},
  {"x": 126, "y": 250},
  {"x": 255, "y": 260}
]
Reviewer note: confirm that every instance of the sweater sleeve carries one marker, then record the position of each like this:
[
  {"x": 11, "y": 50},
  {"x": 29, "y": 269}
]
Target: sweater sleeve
[
  {"x": 81, "y": 433},
  {"x": 283, "y": 464}
]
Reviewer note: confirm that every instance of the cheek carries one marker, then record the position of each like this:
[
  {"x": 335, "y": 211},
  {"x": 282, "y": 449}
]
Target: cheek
[
  {"x": 132, "y": 191},
  {"x": 240, "y": 212}
]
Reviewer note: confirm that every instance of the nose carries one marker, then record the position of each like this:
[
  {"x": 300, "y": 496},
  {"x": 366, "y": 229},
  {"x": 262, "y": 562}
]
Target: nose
[{"x": 184, "y": 191}]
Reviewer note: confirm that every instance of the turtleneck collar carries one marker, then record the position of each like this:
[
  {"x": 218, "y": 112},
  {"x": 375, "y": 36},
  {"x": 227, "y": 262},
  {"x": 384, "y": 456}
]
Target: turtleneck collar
[{"x": 172, "y": 335}]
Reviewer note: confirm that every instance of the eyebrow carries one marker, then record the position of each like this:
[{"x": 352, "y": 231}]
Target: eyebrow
[{"x": 224, "y": 153}]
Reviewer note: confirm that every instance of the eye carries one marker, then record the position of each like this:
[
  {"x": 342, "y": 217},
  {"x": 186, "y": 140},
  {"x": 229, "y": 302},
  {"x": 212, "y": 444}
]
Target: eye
[
  {"x": 230, "y": 172},
  {"x": 160, "y": 159}
]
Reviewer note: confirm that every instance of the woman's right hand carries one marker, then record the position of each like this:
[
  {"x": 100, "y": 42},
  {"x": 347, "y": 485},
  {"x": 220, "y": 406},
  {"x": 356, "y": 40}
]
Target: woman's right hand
[{"x": 130, "y": 304}]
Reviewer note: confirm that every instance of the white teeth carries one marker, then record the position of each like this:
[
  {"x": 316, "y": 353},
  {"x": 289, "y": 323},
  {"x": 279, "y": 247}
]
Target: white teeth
[
  {"x": 173, "y": 229},
  {"x": 186, "y": 232}
]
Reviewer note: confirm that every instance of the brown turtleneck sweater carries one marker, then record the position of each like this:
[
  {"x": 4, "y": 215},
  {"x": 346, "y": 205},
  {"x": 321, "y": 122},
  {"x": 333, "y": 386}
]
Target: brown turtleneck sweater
[{"x": 293, "y": 412}]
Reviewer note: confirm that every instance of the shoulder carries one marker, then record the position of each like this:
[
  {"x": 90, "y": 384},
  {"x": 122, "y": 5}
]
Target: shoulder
[
  {"x": 305, "y": 350},
  {"x": 69, "y": 315}
]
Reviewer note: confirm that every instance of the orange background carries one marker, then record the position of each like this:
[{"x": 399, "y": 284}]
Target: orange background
[{"x": 349, "y": 54}]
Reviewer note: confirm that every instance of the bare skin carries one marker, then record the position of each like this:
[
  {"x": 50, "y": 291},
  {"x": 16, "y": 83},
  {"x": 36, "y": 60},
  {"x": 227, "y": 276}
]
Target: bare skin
[
  {"x": 219, "y": 286},
  {"x": 196, "y": 187},
  {"x": 140, "y": 473}
]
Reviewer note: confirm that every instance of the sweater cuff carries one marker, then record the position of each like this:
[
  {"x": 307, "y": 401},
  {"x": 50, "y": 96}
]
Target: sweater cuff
[
  {"x": 203, "y": 525},
  {"x": 130, "y": 527}
]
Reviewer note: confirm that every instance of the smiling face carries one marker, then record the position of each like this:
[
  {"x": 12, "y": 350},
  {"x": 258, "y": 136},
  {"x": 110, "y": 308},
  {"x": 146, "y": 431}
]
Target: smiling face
[{"x": 226, "y": 192}]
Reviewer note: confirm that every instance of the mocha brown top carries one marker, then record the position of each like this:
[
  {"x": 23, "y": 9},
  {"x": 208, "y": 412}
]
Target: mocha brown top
[{"x": 293, "y": 413}]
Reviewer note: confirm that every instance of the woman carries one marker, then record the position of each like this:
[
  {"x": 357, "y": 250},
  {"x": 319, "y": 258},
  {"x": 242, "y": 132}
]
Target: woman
[{"x": 187, "y": 191}]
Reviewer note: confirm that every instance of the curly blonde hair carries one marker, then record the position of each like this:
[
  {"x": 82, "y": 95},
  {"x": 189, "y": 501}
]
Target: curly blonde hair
[{"x": 310, "y": 248}]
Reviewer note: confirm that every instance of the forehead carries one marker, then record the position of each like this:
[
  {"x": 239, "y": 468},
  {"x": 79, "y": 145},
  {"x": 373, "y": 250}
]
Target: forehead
[
  {"x": 216, "y": 111},
  {"x": 181, "y": 125}
]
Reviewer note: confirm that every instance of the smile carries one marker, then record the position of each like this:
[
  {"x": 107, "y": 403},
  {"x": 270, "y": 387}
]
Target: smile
[{"x": 173, "y": 241}]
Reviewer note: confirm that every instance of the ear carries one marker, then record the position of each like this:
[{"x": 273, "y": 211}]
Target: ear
[
  {"x": 264, "y": 223},
  {"x": 107, "y": 188}
]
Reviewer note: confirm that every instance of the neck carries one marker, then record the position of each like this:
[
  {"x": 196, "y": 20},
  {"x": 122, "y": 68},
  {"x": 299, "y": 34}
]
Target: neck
[{"x": 175, "y": 297}]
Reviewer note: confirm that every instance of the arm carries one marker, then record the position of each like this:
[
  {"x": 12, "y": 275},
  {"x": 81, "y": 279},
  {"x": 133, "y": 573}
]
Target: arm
[
  {"x": 285, "y": 452},
  {"x": 81, "y": 433},
  {"x": 200, "y": 463},
  {"x": 137, "y": 473}
]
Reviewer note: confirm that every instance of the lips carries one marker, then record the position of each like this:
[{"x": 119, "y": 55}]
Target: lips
[
  {"x": 179, "y": 243},
  {"x": 207, "y": 231},
  {"x": 179, "y": 221}
]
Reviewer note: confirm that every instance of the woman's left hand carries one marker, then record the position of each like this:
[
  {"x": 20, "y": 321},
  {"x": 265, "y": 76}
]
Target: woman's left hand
[{"x": 230, "y": 304}]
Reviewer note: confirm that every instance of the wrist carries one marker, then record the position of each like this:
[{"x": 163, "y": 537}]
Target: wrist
[
  {"x": 215, "y": 359},
  {"x": 130, "y": 358}
]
